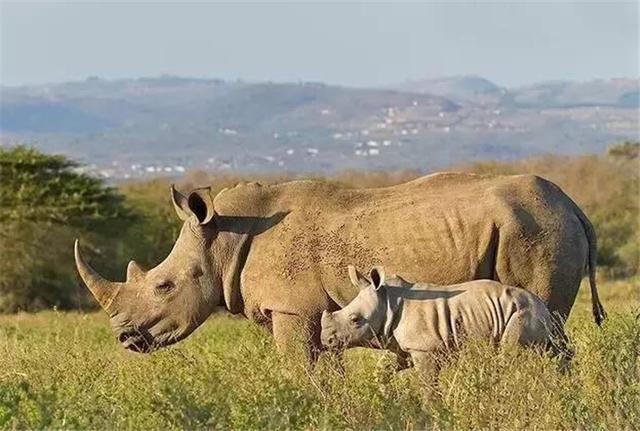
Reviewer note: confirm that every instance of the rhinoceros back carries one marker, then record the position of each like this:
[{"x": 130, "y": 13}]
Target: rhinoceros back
[{"x": 442, "y": 228}]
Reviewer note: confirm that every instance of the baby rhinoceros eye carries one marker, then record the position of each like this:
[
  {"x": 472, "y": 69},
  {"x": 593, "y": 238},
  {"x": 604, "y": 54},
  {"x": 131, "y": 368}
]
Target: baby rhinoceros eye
[{"x": 164, "y": 287}]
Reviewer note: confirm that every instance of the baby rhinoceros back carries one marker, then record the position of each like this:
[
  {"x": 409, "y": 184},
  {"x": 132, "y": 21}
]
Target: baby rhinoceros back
[
  {"x": 424, "y": 319},
  {"x": 489, "y": 309}
]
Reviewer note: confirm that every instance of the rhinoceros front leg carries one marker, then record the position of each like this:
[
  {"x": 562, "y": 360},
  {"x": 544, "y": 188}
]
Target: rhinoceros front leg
[{"x": 297, "y": 335}]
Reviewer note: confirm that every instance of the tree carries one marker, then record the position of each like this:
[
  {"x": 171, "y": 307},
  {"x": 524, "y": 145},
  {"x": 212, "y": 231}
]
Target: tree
[
  {"x": 618, "y": 218},
  {"x": 45, "y": 188},
  {"x": 626, "y": 150},
  {"x": 44, "y": 203}
]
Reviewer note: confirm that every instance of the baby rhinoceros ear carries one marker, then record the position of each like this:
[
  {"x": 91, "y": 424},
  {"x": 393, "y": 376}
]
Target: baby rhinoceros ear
[
  {"x": 377, "y": 277},
  {"x": 357, "y": 279}
]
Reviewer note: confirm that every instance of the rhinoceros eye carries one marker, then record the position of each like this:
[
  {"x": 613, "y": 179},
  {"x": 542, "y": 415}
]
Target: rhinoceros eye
[{"x": 164, "y": 287}]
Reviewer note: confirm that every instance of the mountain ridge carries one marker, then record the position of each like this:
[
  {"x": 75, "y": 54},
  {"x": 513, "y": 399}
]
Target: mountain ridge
[{"x": 167, "y": 123}]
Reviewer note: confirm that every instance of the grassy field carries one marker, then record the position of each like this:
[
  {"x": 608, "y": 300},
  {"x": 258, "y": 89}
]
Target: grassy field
[{"x": 65, "y": 370}]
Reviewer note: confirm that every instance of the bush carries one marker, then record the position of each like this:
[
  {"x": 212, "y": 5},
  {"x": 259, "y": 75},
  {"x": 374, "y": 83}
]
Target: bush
[{"x": 44, "y": 203}]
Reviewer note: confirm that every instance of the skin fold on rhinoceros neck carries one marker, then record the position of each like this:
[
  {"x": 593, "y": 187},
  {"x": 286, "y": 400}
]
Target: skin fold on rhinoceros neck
[
  {"x": 231, "y": 251},
  {"x": 383, "y": 333},
  {"x": 390, "y": 305},
  {"x": 242, "y": 212}
]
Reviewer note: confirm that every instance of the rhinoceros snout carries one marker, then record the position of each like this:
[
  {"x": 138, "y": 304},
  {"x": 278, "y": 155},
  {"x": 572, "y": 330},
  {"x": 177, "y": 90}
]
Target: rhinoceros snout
[
  {"x": 136, "y": 341},
  {"x": 332, "y": 341},
  {"x": 329, "y": 338}
]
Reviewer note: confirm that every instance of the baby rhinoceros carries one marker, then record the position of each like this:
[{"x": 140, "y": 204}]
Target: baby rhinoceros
[{"x": 422, "y": 321}]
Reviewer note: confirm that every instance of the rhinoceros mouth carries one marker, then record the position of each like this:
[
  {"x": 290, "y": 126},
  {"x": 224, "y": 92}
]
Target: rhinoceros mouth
[
  {"x": 137, "y": 341},
  {"x": 138, "y": 344},
  {"x": 143, "y": 342}
]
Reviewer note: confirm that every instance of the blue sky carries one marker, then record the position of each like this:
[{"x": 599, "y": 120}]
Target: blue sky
[{"x": 351, "y": 44}]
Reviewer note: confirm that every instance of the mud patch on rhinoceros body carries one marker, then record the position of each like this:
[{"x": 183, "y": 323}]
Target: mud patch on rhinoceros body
[{"x": 332, "y": 251}]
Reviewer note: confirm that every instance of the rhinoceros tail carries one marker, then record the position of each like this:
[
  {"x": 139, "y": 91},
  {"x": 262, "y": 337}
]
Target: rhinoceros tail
[{"x": 598, "y": 310}]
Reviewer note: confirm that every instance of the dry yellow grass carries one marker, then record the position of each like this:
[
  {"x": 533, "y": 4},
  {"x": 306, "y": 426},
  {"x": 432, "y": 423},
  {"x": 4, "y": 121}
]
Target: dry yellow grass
[{"x": 65, "y": 370}]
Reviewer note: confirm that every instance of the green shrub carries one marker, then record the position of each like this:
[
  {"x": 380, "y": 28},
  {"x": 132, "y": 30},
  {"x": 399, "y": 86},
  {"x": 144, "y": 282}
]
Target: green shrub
[{"x": 44, "y": 204}]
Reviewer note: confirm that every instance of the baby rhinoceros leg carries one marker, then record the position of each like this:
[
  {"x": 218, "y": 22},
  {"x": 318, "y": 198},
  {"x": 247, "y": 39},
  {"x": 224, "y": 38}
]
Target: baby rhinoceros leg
[
  {"x": 403, "y": 361},
  {"x": 526, "y": 329},
  {"x": 428, "y": 366}
]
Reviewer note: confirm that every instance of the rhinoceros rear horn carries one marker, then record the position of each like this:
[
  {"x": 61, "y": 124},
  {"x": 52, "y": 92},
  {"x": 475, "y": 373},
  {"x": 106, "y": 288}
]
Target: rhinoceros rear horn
[
  {"x": 134, "y": 271},
  {"x": 103, "y": 290}
]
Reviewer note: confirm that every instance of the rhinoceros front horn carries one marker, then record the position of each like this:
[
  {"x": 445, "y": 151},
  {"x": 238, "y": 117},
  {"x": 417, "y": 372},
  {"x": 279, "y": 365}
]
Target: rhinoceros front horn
[{"x": 103, "y": 290}]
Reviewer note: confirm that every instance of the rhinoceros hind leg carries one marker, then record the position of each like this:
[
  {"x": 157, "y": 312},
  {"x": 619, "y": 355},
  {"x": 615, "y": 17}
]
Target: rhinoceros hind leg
[{"x": 551, "y": 269}]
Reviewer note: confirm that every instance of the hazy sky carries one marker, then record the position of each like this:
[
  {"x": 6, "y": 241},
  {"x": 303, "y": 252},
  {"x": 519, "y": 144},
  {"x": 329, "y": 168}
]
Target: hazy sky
[{"x": 353, "y": 44}]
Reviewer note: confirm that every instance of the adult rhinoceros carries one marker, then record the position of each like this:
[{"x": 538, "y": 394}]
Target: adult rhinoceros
[{"x": 278, "y": 253}]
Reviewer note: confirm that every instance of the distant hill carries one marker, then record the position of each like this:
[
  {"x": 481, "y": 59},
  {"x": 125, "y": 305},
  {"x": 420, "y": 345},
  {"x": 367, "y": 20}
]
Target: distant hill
[
  {"x": 147, "y": 126},
  {"x": 455, "y": 87},
  {"x": 612, "y": 92}
]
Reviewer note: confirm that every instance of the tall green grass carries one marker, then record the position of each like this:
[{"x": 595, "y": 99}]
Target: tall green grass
[{"x": 65, "y": 370}]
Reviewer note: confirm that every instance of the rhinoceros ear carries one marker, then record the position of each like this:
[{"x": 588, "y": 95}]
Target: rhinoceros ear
[
  {"x": 179, "y": 203},
  {"x": 357, "y": 279},
  {"x": 201, "y": 205},
  {"x": 377, "y": 277},
  {"x": 198, "y": 205}
]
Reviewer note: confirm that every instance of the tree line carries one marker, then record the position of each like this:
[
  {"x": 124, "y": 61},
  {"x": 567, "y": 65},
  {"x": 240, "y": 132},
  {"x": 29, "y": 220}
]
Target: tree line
[{"x": 46, "y": 202}]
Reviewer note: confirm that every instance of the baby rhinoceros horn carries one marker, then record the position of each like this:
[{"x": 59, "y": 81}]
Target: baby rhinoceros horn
[{"x": 102, "y": 289}]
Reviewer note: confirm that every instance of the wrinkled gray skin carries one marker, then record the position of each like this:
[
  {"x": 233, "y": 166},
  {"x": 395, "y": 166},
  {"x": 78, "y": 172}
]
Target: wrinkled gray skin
[
  {"x": 361, "y": 323},
  {"x": 424, "y": 320},
  {"x": 277, "y": 253}
]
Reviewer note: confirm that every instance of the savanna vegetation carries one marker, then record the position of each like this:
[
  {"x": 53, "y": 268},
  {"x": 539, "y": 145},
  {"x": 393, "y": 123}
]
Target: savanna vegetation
[
  {"x": 45, "y": 203},
  {"x": 63, "y": 369}
]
